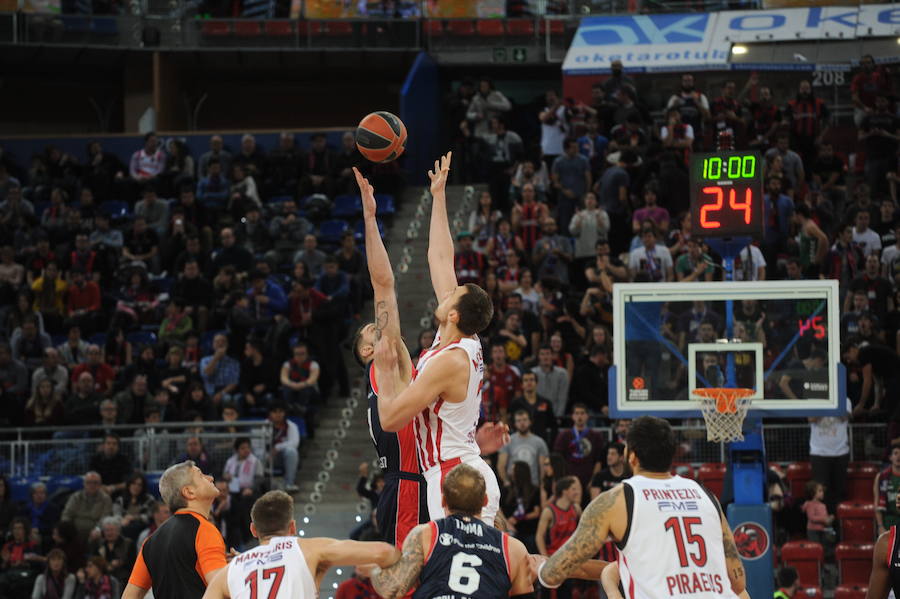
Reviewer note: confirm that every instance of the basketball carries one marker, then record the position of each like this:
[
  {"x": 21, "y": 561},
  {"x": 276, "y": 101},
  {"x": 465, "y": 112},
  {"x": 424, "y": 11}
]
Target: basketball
[{"x": 381, "y": 136}]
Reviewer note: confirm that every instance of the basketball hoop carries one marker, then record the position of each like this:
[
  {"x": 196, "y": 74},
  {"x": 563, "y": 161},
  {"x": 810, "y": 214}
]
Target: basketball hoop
[{"x": 724, "y": 410}]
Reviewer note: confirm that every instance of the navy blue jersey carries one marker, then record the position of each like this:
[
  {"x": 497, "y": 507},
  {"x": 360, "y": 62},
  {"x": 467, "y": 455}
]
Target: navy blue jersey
[
  {"x": 396, "y": 451},
  {"x": 467, "y": 558}
]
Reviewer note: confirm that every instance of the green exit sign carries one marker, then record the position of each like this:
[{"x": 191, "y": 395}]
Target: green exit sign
[
  {"x": 517, "y": 54},
  {"x": 500, "y": 55}
]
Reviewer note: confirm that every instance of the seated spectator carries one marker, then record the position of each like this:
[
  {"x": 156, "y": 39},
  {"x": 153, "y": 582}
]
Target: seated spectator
[
  {"x": 54, "y": 371},
  {"x": 344, "y": 161},
  {"x": 243, "y": 192},
  {"x": 7, "y": 506},
  {"x": 552, "y": 381},
  {"x": 20, "y": 557},
  {"x": 196, "y": 401},
  {"x": 113, "y": 467},
  {"x": 858, "y": 305},
  {"x": 299, "y": 380},
  {"x": 65, "y": 538},
  {"x": 195, "y": 291},
  {"x": 267, "y": 298},
  {"x": 221, "y": 373},
  {"x": 116, "y": 549},
  {"x": 12, "y": 274},
  {"x": 103, "y": 237},
  {"x": 153, "y": 210},
  {"x": 109, "y": 420},
  {"x": 176, "y": 325},
  {"x": 258, "y": 378},
  {"x": 82, "y": 404},
  {"x": 310, "y": 255},
  {"x": 45, "y": 407},
  {"x": 216, "y": 151},
  {"x": 483, "y": 221},
  {"x": 179, "y": 165},
  {"x": 159, "y": 513},
  {"x": 214, "y": 186},
  {"x": 285, "y": 442},
  {"x": 41, "y": 513},
  {"x": 83, "y": 301},
  {"x": 877, "y": 289},
  {"x": 75, "y": 351},
  {"x": 95, "y": 582},
  {"x": 86, "y": 507},
  {"x": 243, "y": 473},
  {"x": 319, "y": 162},
  {"x": 231, "y": 254},
  {"x": 149, "y": 162},
  {"x": 694, "y": 264},
  {"x": 55, "y": 582},
  {"x": 287, "y": 230},
  {"x": 131, "y": 401},
  {"x": 142, "y": 245},
  {"x": 651, "y": 259}
]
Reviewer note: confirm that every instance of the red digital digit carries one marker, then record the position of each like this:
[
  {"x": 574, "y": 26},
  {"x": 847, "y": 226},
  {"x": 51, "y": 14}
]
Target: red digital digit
[
  {"x": 746, "y": 205},
  {"x": 814, "y": 323},
  {"x": 803, "y": 325},
  {"x": 819, "y": 327},
  {"x": 704, "y": 220}
]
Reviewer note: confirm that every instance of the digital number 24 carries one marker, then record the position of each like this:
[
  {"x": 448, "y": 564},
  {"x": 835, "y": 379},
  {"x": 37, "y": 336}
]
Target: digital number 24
[
  {"x": 268, "y": 573},
  {"x": 733, "y": 203},
  {"x": 682, "y": 528}
]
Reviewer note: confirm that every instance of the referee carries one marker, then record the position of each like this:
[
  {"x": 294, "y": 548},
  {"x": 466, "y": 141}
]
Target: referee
[{"x": 184, "y": 554}]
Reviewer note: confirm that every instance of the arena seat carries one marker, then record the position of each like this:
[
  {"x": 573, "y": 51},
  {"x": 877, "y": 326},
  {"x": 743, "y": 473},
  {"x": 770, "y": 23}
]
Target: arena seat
[
  {"x": 860, "y": 480},
  {"x": 854, "y": 562},
  {"x": 434, "y": 27},
  {"x": 712, "y": 476},
  {"x": 141, "y": 338},
  {"x": 115, "y": 210},
  {"x": 20, "y": 487},
  {"x": 461, "y": 28},
  {"x": 807, "y": 558},
  {"x": 857, "y": 521},
  {"x": 359, "y": 232},
  {"x": 809, "y": 592},
  {"x": 215, "y": 28},
  {"x": 346, "y": 206},
  {"x": 555, "y": 27},
  {"x": 330, "y": 231},
  {"x": 384, "y": 204},
  {"x": 683, "y": 469},
  {"x": 520, "y": 27},
  {"x": 279, "y": 28},
  {"x": 490, "y": 27},
  {"x": 798, "y": 474},
  {"x": 152, "y": 479},
  {"x": 247, "y": 28},
  {"x": 854, "y": 591},
  {"x": 73, "y": 483}
]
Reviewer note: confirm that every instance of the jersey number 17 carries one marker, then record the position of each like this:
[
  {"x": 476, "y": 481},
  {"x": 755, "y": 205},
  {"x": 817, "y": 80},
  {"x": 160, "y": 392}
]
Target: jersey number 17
[{"x": 268, "y": 573}]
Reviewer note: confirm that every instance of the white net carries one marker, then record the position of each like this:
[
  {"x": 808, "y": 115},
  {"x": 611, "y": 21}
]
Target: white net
[{"x": 724, "y": 411}]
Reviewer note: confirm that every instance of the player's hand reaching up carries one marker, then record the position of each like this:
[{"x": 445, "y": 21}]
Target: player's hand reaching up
[
  {"x": 439, "y": 175},
  {"x": 491, "y": 437},
  {"x": 367, "y": 192}
]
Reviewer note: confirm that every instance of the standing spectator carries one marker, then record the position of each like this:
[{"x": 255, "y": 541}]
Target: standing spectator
[
  {"x": 148, "y": 162},
  {"x": 887, "y": 488},
  {"x": 552, "y": 253},
  {"x": 765, "y": 115},
  {"x": 845, "y": 259},
  {"x": 589, "y": 383},
  {"x": 116, "y": 549},
  {"x": 554, "y": 127},
  {"x": 726, "y": 110},
  {"x": 791, "y": 161},
  {"x": 112, "y": 466},
  {"x": 587, "y": 226},
  {"x": 877, "y": 290},
  {"x": 807, "y": 118},
  {"x": 540, "y": 411},
  {"x": 827, "y": 174},
  {"x": 813, "y": 243},
  {"x": 285, "y": 441},
  {"x": 593, "y": 145},
  {"x": 86, "y": 507},
  {"x": 468, "y": 263},
  {"x": 504, "y": 383},
  {"x": 221, "y": 373},
  {"x": 522, "y": 505},
  {"x": 890, "y": 260},
  {"x": 694, "y": 264},
  {"x": 55, "y": 582},
  {"x": 487, "y": 103},
  {"x": 581, "y": 446},
  {"x": 651, "y": 211},
  {"x": 829, "y": 452},
  {"x": 243, "y": 473},
  {"x": 651, "y": 258},
  {"x": 614, "y": 472},
  {"x": 558, "y": 522},
  {"x": 865, "y": 86},
  {"x": 817, "y": 516},
  {"x": 676, "y": 136},
  {"x": 616, "y": 80},
  {"x": 299, "y": 381},
  {"x": 879, "y": 133},
  {"x": 692, "y": 104},
  {"x": 571, "y": 174},
  {"x": 779, "y": 210},
  {"x": 318, "y": 165},
  {"x": 216, "y": 151},
  {"x": 865, "y": 238},
  {"x": 552, "y": 381},
  {"x": 613, "y": 195},
  {"x": 504, "y": 148},
  {"x": 523, "y": 447},
  {"x": 526, "y": 218}
]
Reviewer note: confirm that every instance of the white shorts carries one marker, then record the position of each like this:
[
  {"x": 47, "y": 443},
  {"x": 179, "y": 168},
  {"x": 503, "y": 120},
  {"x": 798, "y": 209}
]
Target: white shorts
[{"x": 435, "y": 476}]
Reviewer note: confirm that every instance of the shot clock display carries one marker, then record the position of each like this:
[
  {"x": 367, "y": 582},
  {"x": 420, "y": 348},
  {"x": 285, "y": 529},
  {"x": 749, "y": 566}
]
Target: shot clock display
[{"x": 727, "y": 194}]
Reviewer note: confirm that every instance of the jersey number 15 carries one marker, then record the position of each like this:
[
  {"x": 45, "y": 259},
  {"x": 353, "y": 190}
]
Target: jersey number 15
[{"x": 682, "y": 528}]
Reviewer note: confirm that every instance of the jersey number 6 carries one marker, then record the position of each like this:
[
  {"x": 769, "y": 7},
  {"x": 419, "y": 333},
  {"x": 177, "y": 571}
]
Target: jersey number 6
[
  {"x": 462, "y": 568},
  {"x": 684, "y": 535}
]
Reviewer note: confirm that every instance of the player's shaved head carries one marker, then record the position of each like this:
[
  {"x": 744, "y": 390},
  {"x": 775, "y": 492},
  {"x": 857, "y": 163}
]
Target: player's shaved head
[
  {"x": 272, "y": 514},
  {"x": 464, "y": 491}
]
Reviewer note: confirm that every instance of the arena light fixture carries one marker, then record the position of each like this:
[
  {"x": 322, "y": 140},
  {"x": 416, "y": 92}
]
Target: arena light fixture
[
  {"x": 339, "y": 571},
  {"x": 739, "y": 49}
]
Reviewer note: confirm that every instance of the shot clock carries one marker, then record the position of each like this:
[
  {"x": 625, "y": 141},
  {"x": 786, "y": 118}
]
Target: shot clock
[{"x": 727, "y": 194}]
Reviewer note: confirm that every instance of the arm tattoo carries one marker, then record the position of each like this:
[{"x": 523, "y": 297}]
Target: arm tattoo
[
  {"x": 731, "y": 551},
  {"x": 393, "y": 582},
  {"x": 584, "y": 543},
  {"x": 381, "y": 319}
]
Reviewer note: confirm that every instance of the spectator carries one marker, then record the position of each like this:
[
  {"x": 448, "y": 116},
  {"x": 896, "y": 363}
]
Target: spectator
[
  {"x": 589, "y": 383},
  {"x": 55, "y": 582},
  {"x": 50, "y": 295},
  {"x": 522, "y": 505},
  {"x": 677, "y": 136},
  {"x": 614, "y": 472},
  {"x": 876, "y": 289},
  {"x": 845, "y": 259},
  {"x": 251, "y": 157},
  {"x": 83, "y": 301},
  {"x": 154, "y": 211},
  {"x": 357, "y": 586},
  {"x": 554, "y": 127},
  {"x": 890, "y": 259},
  {"x": 828, "y": 172},
  {"x": 231, "y": 254},
  {"x": 468, "y": 263},
  {"x": 651, "y": 211},
  {"x": 243, "y": 473},
  {"x": 217, "y": 152},
  {"x": 257, "y": 381},
  {"x": 593, "y": 145},
  {"x": 176, "y": 325},
  {"x": 117, "y": 550},
  {"x": 558, "y": 522},
  {"x": 65, "y": 538},
  {"x": 887, "y": 486},
  {"x": 552, "y": 253},
  {"x": 504, "y": 148},
  {"x": 617, "y": 79},
  {"x": 160, "y": 512},
  {"x": 807, "y": 118},
  {"x": 778, "y": 224},
  {"x": 142, "y": 245},
  {"x": 133, "y": 505},
  {"x": 195, "y": 291},
  {"x": 95, "y": 582},
  {"x": 82, "y": 404},
  {"x": 818, "y": 520},
  {"x": 486, "y": 104},
  {"x": 299, "y": 380},
  {"x": 571, "y": 174},
  {"x": 132, "y": 400},
  {"x": 652, "y": 258},
  {"x": 587, "y": 226},
  {"x": 318, "y": 167},
  {"x": 870, "y": 82},
  {"x": 692, "y": 104},
  {"x": 552, "y": 381},
  {"x": 148, "y": 162},
  {"x": 313, "y": 257},
  {"x": 114, "y": 468},
  {"x": 221, "y": 373},
  {"x": 19, "y": 557},
  {"x": 865, "y": 238},
  {"x": 347, "y": 158},
  {"x": 504, "y": 384},
  {"x": 267, "y": 298},
  {"x": 41, "y": 513},
  {"x": 7, "y": 506},
  {"x": 195, "y": 452},
  {"x": 540, "y": 410},
  {"x": 44, "y": 408},
  {"x": 29, "y": 344},
  {"x": 13, "y": 376},
  {"x": 526, "y": 174},
  {"x": 214, "y": 186},
  {"x": 86, "y": 507},
  {"x": 879, "y": 132},
  {"x": 523, "y": 447},
  {"x": 75, "y": 351},
  {"x": 54, "y": 371},
  {"x": 12, "y": 274},
  {"x": 581, "y": 446},
  {"x": 829, "y": 453},
  {"x": 282, "y": 166},
  {"x": 694, "y": 264},
  {"x": 285, "y": 441},
  {"x": 612, "y": 192},
  {"x": 104, "y": 238},
  {"x": 792, "y": 163},
  {"x": 243, "y": 192}
]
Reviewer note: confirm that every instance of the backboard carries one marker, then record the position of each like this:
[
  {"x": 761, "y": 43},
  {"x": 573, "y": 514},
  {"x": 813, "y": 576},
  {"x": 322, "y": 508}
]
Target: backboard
[{"x": 779, "y": 338}]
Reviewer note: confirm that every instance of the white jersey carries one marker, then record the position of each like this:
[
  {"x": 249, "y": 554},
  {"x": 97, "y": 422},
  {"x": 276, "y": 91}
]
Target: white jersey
[
  {"x": 446, "y": 430},
  {"x": 276, "y": 570},
  {"x": 673, "y": 545}
]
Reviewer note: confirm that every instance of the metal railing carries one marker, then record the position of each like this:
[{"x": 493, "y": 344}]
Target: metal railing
[{"x": 67, "y": 451}]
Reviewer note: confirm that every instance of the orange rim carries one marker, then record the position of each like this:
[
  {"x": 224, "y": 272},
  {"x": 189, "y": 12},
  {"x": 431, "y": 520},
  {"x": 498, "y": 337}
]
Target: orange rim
[{"x": 726, "y": 397}]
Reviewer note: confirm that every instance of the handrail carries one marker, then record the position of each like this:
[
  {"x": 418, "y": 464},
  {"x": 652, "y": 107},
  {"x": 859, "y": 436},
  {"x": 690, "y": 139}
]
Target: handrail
[{"x": 131, "y": 427}]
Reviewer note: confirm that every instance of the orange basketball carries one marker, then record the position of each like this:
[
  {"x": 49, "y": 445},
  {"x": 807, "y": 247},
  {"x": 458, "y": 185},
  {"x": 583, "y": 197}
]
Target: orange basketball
[{"x": 381, "y": 136}]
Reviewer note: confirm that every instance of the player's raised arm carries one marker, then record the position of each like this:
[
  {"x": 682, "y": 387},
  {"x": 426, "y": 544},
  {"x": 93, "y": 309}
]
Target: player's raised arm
[
  {"x": 395, "y": 581},
  {"x": 387, "y": 314},
  {"x": 440, "y": 242},
  {"x": 585, "y": 542},
  {"x": 332, "y": 552}
]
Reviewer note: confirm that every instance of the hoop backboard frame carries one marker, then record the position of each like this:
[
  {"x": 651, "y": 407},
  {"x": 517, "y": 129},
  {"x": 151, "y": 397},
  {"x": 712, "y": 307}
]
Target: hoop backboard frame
[
  {"x": 620, "y": 406},
  {"x": 722, "y": 347}
]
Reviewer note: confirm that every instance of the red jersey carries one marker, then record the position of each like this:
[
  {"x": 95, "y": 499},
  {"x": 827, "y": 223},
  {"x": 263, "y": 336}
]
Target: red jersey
[
  {"x": 530, "y": 228},
  {"x": 869, "y": 85},
  {"x": 504, "y": 386},
  {"x": 805, "y": 114},
  {"x": 564, "y": 524}
]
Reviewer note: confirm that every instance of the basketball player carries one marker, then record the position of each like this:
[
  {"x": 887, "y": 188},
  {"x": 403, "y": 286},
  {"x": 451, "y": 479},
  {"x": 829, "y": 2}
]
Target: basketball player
[
  {"x": 285, "y": 566},
  {"x": 885, "y": 575},
  {"x": 672, "y": 536},
  {"x": 458, "y": 555},
  {"x": 445, "y": 397},
  {"x": 402, "y": 503}
]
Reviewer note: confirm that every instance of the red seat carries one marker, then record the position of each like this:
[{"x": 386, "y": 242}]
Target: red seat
[
  {"x": 461, "y": 28},
  {"x": 854, "y": 562},
  {"x": 246, "y": 28},
  {"x": 807, "y": 592},
  {"x": 845, "y": 591},
  {"x": 555, "y": 27},
  {"x": 712, "y": 476},
  {"x": 279, "y": 28},
  {"x": 806, "y": 557},
  {"x": 215, "y": 28},
  {"x": 860, "y": 480},
  {"x": 520, "y": 27},
  {"x": 798, "y": 474},
  {"x": 434, "y": 27},
  {"x": 339, "y": 28},
  {"x": 683, "y": 469},
  {"x": 490, "y": 27},
  {"x": 857, "y": 521}
]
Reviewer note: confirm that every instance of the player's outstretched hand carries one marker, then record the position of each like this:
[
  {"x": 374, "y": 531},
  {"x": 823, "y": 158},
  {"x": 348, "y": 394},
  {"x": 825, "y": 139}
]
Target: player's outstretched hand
[
  {"x": 439, "y": 175},
  {"x": 367, "y": 192},
  {"x": 385, "y": 355},
  {"x": 491, "y": 437},
  {"x": 535, "y": 561}
]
